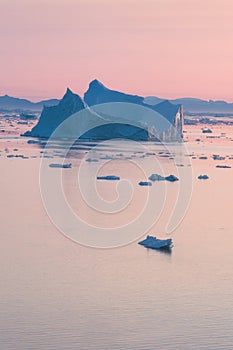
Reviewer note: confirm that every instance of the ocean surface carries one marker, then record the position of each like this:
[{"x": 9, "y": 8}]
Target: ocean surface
[{"x": 58, "y": 294}]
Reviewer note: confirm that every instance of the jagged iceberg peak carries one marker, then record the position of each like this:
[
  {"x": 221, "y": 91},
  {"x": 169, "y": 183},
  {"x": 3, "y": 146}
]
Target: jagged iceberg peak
[
  {"x": 97, "y": 93},
  {"x": 69, "y": 92},
  {"x": 71, "y": 99},
  {"x": 96, "y": 84},
  {"x": 53, "y": 116}
]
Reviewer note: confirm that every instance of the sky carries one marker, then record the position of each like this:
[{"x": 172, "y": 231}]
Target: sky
[{"x": 165, "y": 48}]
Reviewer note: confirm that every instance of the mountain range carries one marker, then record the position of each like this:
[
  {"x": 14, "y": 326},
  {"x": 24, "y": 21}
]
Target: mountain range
[
  {"x": 195, "y": 105},
  {"x": 9, "y": 103},
  {"x": 190, "y": 105}
]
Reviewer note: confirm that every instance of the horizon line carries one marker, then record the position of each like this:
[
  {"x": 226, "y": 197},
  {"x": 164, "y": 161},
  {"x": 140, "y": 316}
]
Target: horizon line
[{"x": 37, "y": 99}]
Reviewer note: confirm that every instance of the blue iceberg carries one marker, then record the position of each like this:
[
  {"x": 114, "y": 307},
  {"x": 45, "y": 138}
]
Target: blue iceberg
[{"x": 155, "y": 243}]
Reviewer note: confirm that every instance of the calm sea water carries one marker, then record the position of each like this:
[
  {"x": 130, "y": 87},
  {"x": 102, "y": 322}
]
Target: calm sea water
[{"x": 57, "y": 294}]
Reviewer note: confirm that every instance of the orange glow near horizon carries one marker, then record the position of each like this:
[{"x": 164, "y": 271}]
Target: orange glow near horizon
[{"x": 166, "y": 48}]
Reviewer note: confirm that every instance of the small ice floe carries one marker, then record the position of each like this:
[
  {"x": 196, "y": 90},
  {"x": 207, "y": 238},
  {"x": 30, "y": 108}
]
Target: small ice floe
[
  {"x": 155, "y": 243},
  {"x": 108, "y": 177},
  {"x": 223, "y": 166},
  {"x": 91, "y": 160},
  {"x": 203, "y": 177},
  {"x": 106, "y": 157},
  {"x": 157, "y": 177},
  {"x": 17, "y": 156},
  {"x": 33, "y": 141},
  {"x": 145, "y": 183},
  {"x": 207, "y": 131},
  {"x": 57, "y": 165},
  {"x": 171, "y": 178},
  {"x": 27, "y": 116},
  {"x": 217, "y": 157},
  {"x": 21, "y": 123}
]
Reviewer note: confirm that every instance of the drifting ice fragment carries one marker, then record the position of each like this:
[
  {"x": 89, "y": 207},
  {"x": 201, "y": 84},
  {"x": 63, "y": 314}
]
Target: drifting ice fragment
[
  {"x": 203, "y": 177},
  {"x": 223, "y": 166},
  {"x": 156, "y": 177},
  {"x": 56, "y": 165},
  {"x": 155, "y": 243},
  {"x": 145, "y": 183},
  {"x": 171, "y": 178},
  {"x": 108, "y": 177}
]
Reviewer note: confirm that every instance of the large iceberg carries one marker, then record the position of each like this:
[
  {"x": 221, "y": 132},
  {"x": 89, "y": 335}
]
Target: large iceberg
[{"x": 111, "y": 114}]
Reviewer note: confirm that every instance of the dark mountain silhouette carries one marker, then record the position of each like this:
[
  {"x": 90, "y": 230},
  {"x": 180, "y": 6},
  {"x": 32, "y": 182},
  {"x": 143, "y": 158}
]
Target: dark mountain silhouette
[
  {"x": 195, "y": 105},
  {"x": 98, "y": 93},
  {"x": 14, "y": 103}
]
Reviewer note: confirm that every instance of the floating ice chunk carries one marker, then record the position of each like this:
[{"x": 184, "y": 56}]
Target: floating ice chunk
[
  {"x": 108, "y": 177},
  {"x": 217, "y": 157},
  {"x": 91, "y": 160},
  {"x": 171, "y": 178},
  {"x": 33, "y": 141},
  {"x": 150, "y": 154},
  {"x": 223, "y": 166},
  {"x": 156, "y": 177},
  {"x": 23, "y": 123},
  {"x": 207, "y": 131},
  {"x": 106, "y": 157},
  {"x": 145, "y": 183},
  {"x": 203, "y": 177},
  {"x": 56, "y": 165},
  {"x": 155, "y": 243}
]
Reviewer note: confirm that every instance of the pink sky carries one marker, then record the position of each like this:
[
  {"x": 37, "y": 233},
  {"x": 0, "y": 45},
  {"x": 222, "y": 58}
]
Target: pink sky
[{"x": 167, "y": 48}]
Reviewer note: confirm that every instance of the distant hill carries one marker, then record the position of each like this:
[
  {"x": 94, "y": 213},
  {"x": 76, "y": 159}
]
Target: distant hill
[
  {"x": 13, "y": 103},
  {"x": 98, "y": 93},
  {"x": 195, "y": 105}
]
